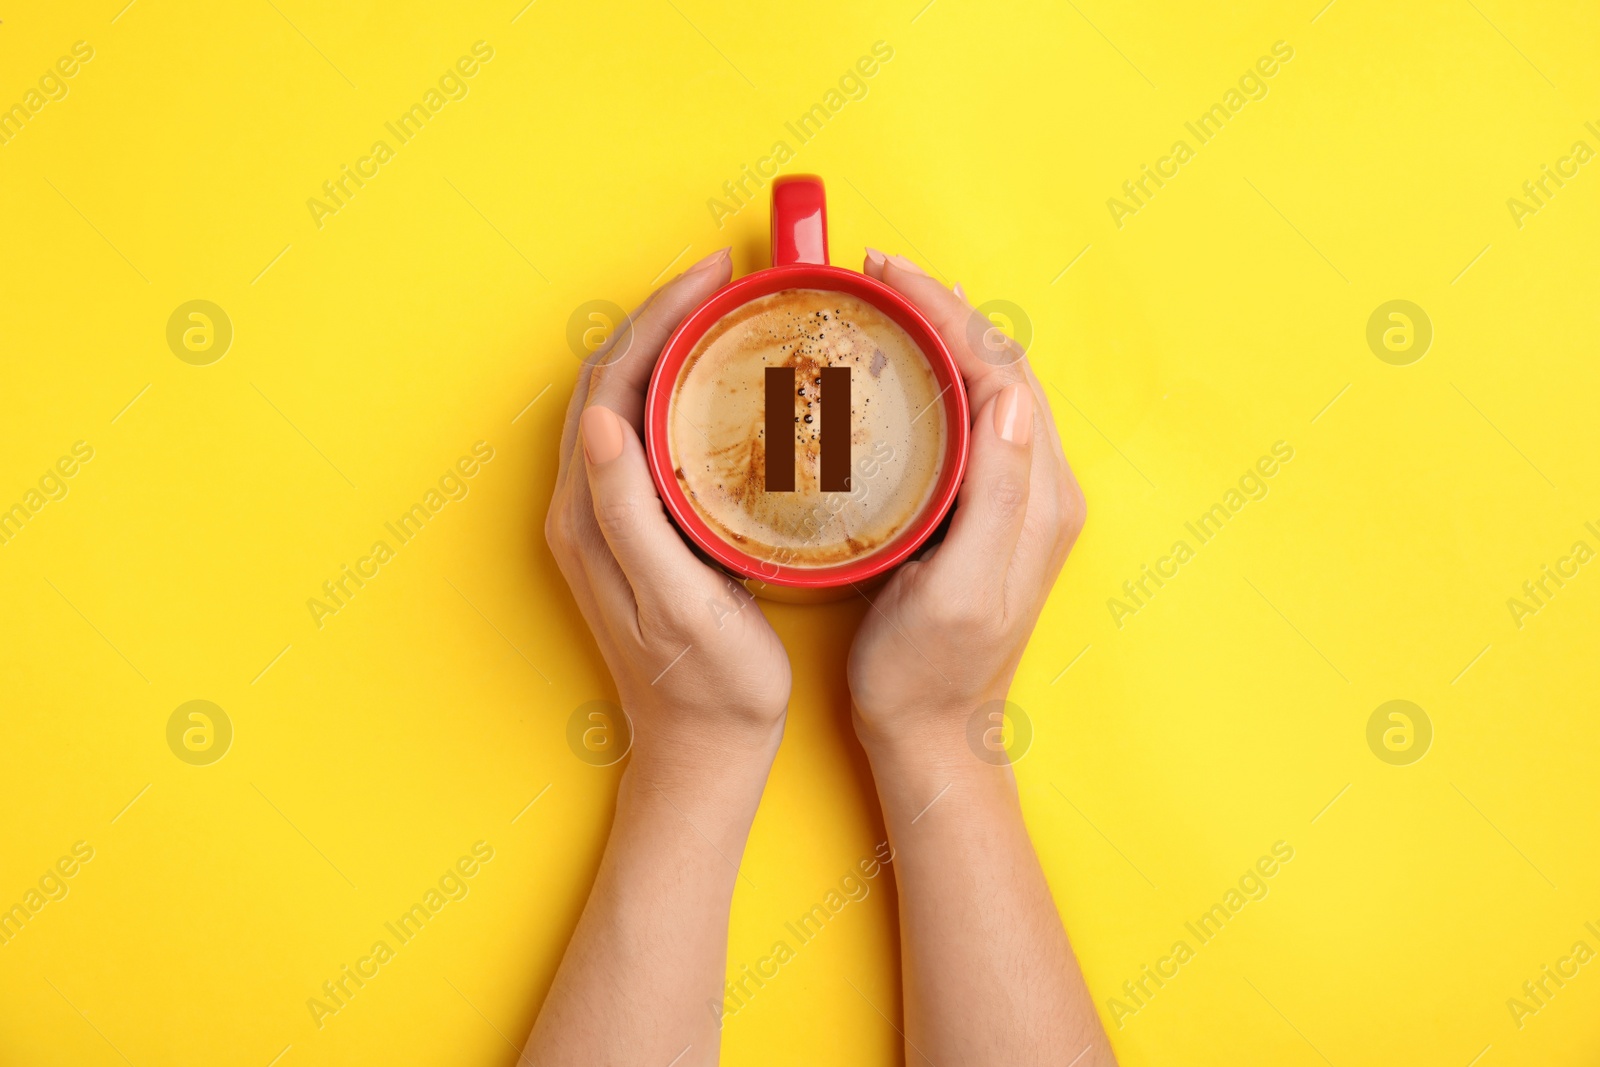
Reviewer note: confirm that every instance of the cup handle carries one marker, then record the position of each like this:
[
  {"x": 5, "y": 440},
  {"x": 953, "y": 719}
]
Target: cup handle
[{"x": 799, "y": 220}]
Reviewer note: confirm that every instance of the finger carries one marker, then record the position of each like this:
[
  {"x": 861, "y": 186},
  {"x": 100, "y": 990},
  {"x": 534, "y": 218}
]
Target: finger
[
  {"x": 591, "y": 571},
  {"x": 873, "y": 267},
  {"x": 653, "y": 558},
  {"x": 580, "y": 390},
  {"x": 1058, "y": 469},
  {"x": 993, "y": 501},
  {"x": 1056, "y": 513},
  {"x": 620, "y": 381},
  {"x": 1040, "y": 396},
  {"x": 1041, "y": 399},
  {"x": 988, "y": 360},
  {"x": 1051, "y": 473}
]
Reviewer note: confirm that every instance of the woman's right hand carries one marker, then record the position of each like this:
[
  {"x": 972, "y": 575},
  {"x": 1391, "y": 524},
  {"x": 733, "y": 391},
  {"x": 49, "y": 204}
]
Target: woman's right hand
[{"x": 944, "y": 636}]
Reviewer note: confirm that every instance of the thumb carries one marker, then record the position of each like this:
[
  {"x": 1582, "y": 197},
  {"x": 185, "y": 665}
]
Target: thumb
[
  {"x": 994, "y": 493},
  {"x": 627, "y": 508}
]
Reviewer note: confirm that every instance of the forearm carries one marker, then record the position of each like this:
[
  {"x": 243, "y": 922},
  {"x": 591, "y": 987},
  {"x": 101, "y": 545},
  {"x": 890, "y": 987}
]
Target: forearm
[
  {"x": 647, "y": 960},
  {"x": 989, "y": 976}
]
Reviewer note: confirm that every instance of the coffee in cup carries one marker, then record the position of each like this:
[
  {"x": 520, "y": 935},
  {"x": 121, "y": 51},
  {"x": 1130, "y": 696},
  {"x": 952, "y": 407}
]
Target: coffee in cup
[{"x": 805, "y": 428}]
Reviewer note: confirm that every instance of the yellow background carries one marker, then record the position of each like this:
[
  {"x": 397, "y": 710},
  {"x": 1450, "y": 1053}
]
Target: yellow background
[{"x": 432, "y": 310}]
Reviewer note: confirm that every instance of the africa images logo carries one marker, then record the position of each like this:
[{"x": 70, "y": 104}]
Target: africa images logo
[
  {"x": 1252, "y": 85},
  {"x": 740, "y": 191},
  {"x": 337, "y": 192},
  {"x": 1252, "y": 486}
]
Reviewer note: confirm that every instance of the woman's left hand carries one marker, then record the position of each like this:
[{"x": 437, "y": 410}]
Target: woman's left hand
[{"x": 700, "y": 673}]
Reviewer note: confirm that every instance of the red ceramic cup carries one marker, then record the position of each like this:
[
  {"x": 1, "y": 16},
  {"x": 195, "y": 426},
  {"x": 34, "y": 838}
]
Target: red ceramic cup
[{"x": 800, "y": 261}]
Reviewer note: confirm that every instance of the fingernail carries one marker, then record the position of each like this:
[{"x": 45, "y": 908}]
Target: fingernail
[
  {"x": 714, "y": 258},
  {"x": 602, "y": 434},
  {"x": 875, "y": 258},
  {"x": 1013, "y": 414},
  {"x": 962, "y": 293},
  {"x": 906, "y": 265}
]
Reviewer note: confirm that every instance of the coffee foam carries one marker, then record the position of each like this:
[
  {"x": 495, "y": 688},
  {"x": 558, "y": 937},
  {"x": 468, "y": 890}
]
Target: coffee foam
[{"x": 717, "y": 428}]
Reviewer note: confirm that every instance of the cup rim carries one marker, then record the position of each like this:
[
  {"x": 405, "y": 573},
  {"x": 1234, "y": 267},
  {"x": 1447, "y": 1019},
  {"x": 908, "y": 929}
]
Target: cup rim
[{"x": 764, "y": 283}]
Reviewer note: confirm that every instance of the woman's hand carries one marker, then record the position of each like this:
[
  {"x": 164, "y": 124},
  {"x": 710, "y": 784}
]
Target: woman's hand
[
  {"x": 988, "y": 973},
  {"x": 945, "y": 634},
  {"x": 699, "y": 671},
  {"x": 706, "y": 684}
]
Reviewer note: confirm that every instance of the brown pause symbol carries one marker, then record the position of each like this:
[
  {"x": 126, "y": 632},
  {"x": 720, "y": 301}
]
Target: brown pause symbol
[{"x": 834, "y": 410}]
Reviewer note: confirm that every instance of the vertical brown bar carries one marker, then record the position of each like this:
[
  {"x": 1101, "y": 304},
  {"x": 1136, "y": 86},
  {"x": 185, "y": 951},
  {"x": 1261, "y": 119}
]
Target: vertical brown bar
[
  {"x": 835, "y": 429},
  {"x": 780, "y": 429}
]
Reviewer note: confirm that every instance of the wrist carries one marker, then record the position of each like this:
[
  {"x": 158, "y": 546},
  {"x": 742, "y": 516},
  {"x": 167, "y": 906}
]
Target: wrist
[
  {"x": 704, "y": 763},
  {"x": 925, "y": 794},
  {"x": 926, "y": 735},
  {"x": 928, "y": 755},
  {"x": 678, "y": 808}
]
